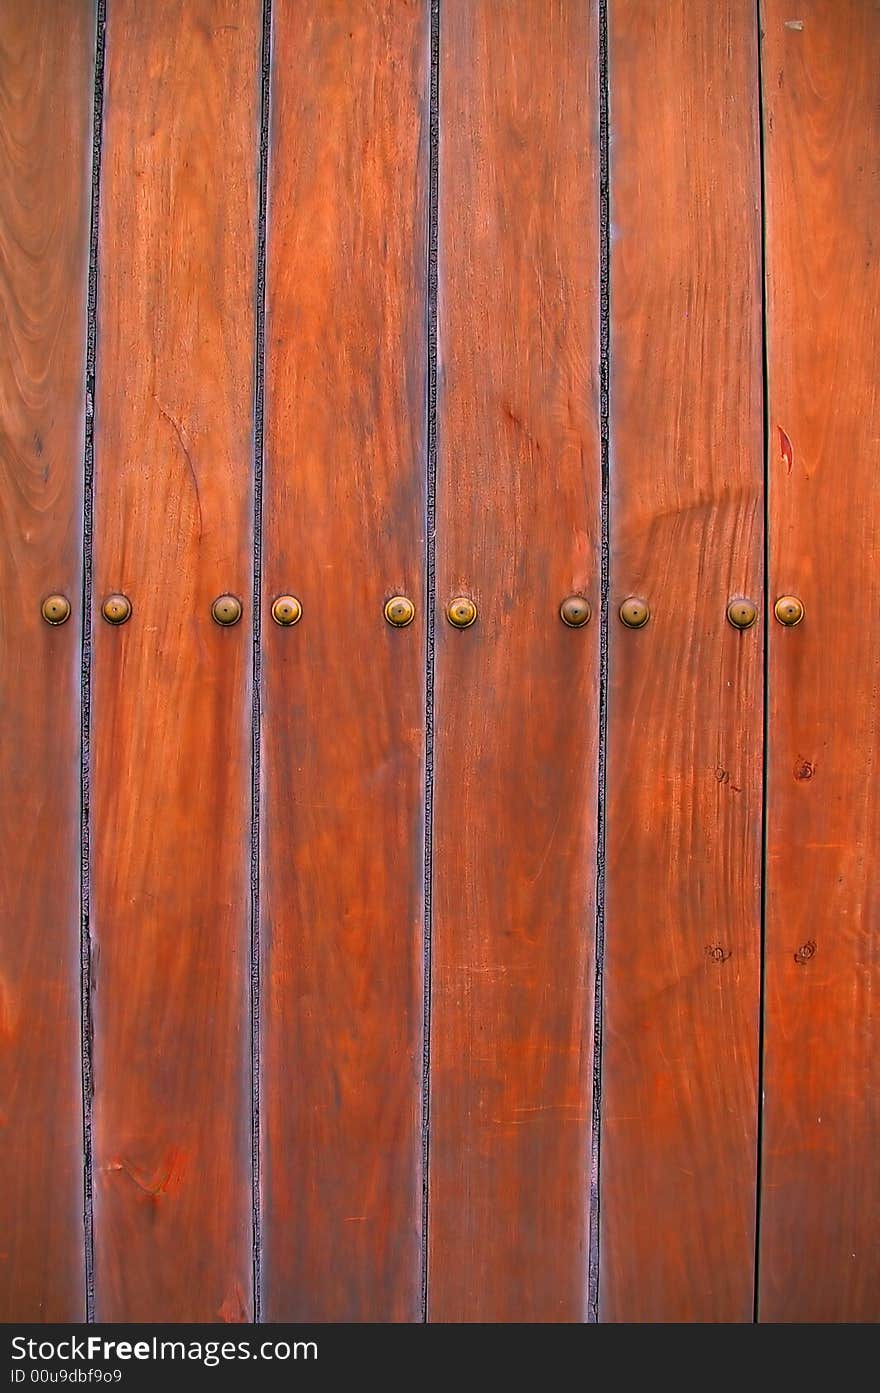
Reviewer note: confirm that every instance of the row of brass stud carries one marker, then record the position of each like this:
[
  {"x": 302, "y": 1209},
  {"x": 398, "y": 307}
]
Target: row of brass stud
[
  {"x": 575, "y": 611},
  {"x": 116, "y": 609}
]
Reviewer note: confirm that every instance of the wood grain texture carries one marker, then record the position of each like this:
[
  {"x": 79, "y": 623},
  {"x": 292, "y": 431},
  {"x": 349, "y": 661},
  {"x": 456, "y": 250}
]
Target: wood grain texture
[
  {"x": 171, "y": 727},
  {"x": 820, "y": 1226},
  {"x": 46, "y": 76},
  {"x": 684, "y": 800},
  {"x": 516, "y": 694},
  {"x": 344, "y": 693}
]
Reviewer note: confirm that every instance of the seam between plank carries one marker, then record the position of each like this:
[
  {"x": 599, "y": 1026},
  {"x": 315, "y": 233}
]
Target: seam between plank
[
  {"x": 430, "y": 604},
  {"x": 766, "y": 656},
  {"x": 86, "y": 666},
  {"x": 257, "y": 660},
  {"x": 604, "y": 584}
]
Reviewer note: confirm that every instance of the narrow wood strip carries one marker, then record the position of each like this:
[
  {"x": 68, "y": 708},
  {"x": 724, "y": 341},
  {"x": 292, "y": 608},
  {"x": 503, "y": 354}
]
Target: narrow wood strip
[
  {"x": 46, "y": 75},
  {"x": 820, "y": 1202},
  {"x": 684, "y": 792},
  {"x": 171, "y": 715},
  {"x": 344, "y": 691},
  {"x": 516, "y": 706}
]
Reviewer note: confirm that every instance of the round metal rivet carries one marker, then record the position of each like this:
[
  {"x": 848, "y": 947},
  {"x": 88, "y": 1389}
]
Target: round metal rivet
[
  {"x": 226, "y": 610},
  {"x": 461, "y": 612},
  {"x": 56, "y": 609},
  {"x": 742, "y": 613},
  {"x": 116, "y": 609},
  {"x": 634, "y": 613},
  {"x": 575, "y": 611},
  {"x": 788, "y": 610},
  {"x": 286, "y": 610},
  {"x": 400, "y": 611}
]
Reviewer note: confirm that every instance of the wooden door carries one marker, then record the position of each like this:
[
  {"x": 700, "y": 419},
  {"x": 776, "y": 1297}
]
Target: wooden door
[{"x": 439, "y": 660}]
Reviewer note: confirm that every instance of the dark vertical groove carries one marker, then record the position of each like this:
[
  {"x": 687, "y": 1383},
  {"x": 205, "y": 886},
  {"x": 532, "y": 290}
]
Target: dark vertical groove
[
  {"x": 430, "y": 602},
  {"x": 604, "y": 581},
  {"x": 257, "y": 656},
  {"x": 762, "y": 259},
  {"x": 86, "y": 664}
]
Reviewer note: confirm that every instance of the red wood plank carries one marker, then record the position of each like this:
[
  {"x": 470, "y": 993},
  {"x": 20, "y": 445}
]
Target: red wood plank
[
  {"x": 516, "y": 694},
  {"x": 171, "y": 705},
  {"x": 681, "y": 998},
  {"x": 820, "y": 1227},
  {"x": 46, "y": 84},
  {"x": 344, "y": 692}
]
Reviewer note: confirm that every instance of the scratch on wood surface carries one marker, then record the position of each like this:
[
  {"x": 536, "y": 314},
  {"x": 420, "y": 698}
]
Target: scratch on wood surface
[
  {"x": 550, "y": 840},
  {"x": 153, "y": 1188},
  {"x": 186, "y": 454}
]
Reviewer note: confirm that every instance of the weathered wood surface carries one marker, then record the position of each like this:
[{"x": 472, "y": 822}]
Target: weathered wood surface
[
  {"x": 171, "y": 712},
  {"x": 820, "y": 1209},
  {"x": 46, "y": 84},
  {"x": 516, "y": 694},
  {"x": 684, "y": 797},
  {"x": 344, "y": 693}
]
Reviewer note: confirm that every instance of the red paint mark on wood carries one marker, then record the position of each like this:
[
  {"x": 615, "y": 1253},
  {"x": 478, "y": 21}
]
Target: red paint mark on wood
[
  {"x": 786, "y": 450},
  {"x": 154, "y": 1184}
]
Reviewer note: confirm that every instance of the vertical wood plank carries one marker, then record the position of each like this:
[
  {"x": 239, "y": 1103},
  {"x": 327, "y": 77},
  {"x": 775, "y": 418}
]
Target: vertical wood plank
[
  {"x": 171, "y": 711},
  {"x": 46, "y": 78},
  {"x": 681, "y": 998},
  {"x": 516, "y": 705},
  {"x": 820, "y": 1225},
  {"x": 344, "y": 692}
]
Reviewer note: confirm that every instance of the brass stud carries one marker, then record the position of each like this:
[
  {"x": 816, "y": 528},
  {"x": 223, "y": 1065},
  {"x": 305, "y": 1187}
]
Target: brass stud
[
  {"x": 226, "y": 610},
  {"x": 461, "y": 612},
  {"x": 575, "y": 611},
  {"x": 634, "y": 613},
  {"x": 286, "y": 610},
  {"x": 400, "y": 611},
  {"x": 742, "y": 613},
  {"x": 116, "y": 609},
  {"x": 789, "y": 610},
  {"x": 55, "y": 609}
]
